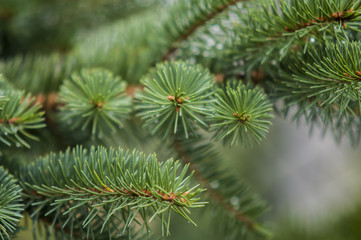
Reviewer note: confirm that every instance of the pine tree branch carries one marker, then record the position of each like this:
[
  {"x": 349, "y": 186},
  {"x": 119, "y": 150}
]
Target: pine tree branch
[
  {"x": 103, "y": 186},
  {"x": 18, "y": 116},
  {"x": 184, "y": 36},
  {"x": 172, "y": 197},
  {"x": 272, "y": 30},
  {"x": 240, "y": 114},
  {"x": 177, "y": 97},
  {"x": 334, "y": 17}
]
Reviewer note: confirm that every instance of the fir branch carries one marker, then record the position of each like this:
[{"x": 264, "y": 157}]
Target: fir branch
[
  {"x": 176, "y": 96},
  {"x": 206, "y": 12},
  {"x": 272, "y": 30},
  {"x": 10, "y": 204},
  {"x": 99, "y": 188},
  {"x": 326, "y": 76},
  {"x": 240, "y": 115},
  {"x": 95, "y": 98},
  {"x": 325, "y": 85},
  {"x": 18, "y": 115}
]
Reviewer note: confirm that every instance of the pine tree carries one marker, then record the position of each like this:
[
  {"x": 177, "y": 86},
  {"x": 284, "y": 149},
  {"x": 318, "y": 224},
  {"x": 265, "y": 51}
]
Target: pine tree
[{"x": 116, "y": 116}]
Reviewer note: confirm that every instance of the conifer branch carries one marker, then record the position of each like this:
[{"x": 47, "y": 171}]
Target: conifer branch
[
  {"x": 18, "y": 115},
  {"x": 94, "y": 190},
  {"x": 241, "y": 114},
  {"x": 328, "y": 74},
  {"x": 96, "y": 99},
  {"x": 177, "y": 97},
  {"x": 325, "y": 84},
  {"x": 272, "y": 31},
  {"x": 94, "y": 193}
]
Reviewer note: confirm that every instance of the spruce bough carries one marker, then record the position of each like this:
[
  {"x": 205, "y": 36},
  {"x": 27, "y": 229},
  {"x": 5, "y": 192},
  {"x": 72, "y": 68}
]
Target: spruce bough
[{"x": 94, "y": 187}]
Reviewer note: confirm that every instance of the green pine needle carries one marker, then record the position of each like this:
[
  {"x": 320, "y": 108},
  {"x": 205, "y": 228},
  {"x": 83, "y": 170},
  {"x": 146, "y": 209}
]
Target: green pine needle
[
  {"x": 95, "y": 99},
  {"x": 240, "y": 115},
  {"x": 177, "y": 96}
]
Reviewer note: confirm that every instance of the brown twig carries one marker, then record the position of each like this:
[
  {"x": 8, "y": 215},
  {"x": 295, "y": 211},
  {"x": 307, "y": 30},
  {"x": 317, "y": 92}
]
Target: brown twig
[
  {"x": 10, "y": 121},
  {"x": 50, "y": 101},
  {"x": 131, "y": 89},
  {"x": 171, "y": 197},
  {"x": 337, "y": 16}
]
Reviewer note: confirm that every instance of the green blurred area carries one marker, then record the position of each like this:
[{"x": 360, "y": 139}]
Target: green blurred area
[{"x": 49, "y": 25}]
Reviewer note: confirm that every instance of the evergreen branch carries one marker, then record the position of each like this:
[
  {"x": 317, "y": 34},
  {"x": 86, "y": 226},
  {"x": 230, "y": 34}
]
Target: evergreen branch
[
  {"x": 101, "y": 188},
  {"x": 325, "y": 85},
  {"x": 176, "y": 96},
  {"x": 18, "y": 115},
  {"x": 200, "y": 15},
  {"x": 272, "y": 30},
  {"x": 10, "y": 204},
  {"x": 326, "y": 76},
  {"x": 234, "y": 204},
  {"x": 95, "y": 98},
  {"x": 240, "y": 114},
  {"x": 320, "y": 13}
]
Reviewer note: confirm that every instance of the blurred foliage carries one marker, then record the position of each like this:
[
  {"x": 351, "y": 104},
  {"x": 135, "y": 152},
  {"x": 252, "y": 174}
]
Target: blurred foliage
[
  {"x": 43, "y": 25},
  {"x": 346, "y": 227}
]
